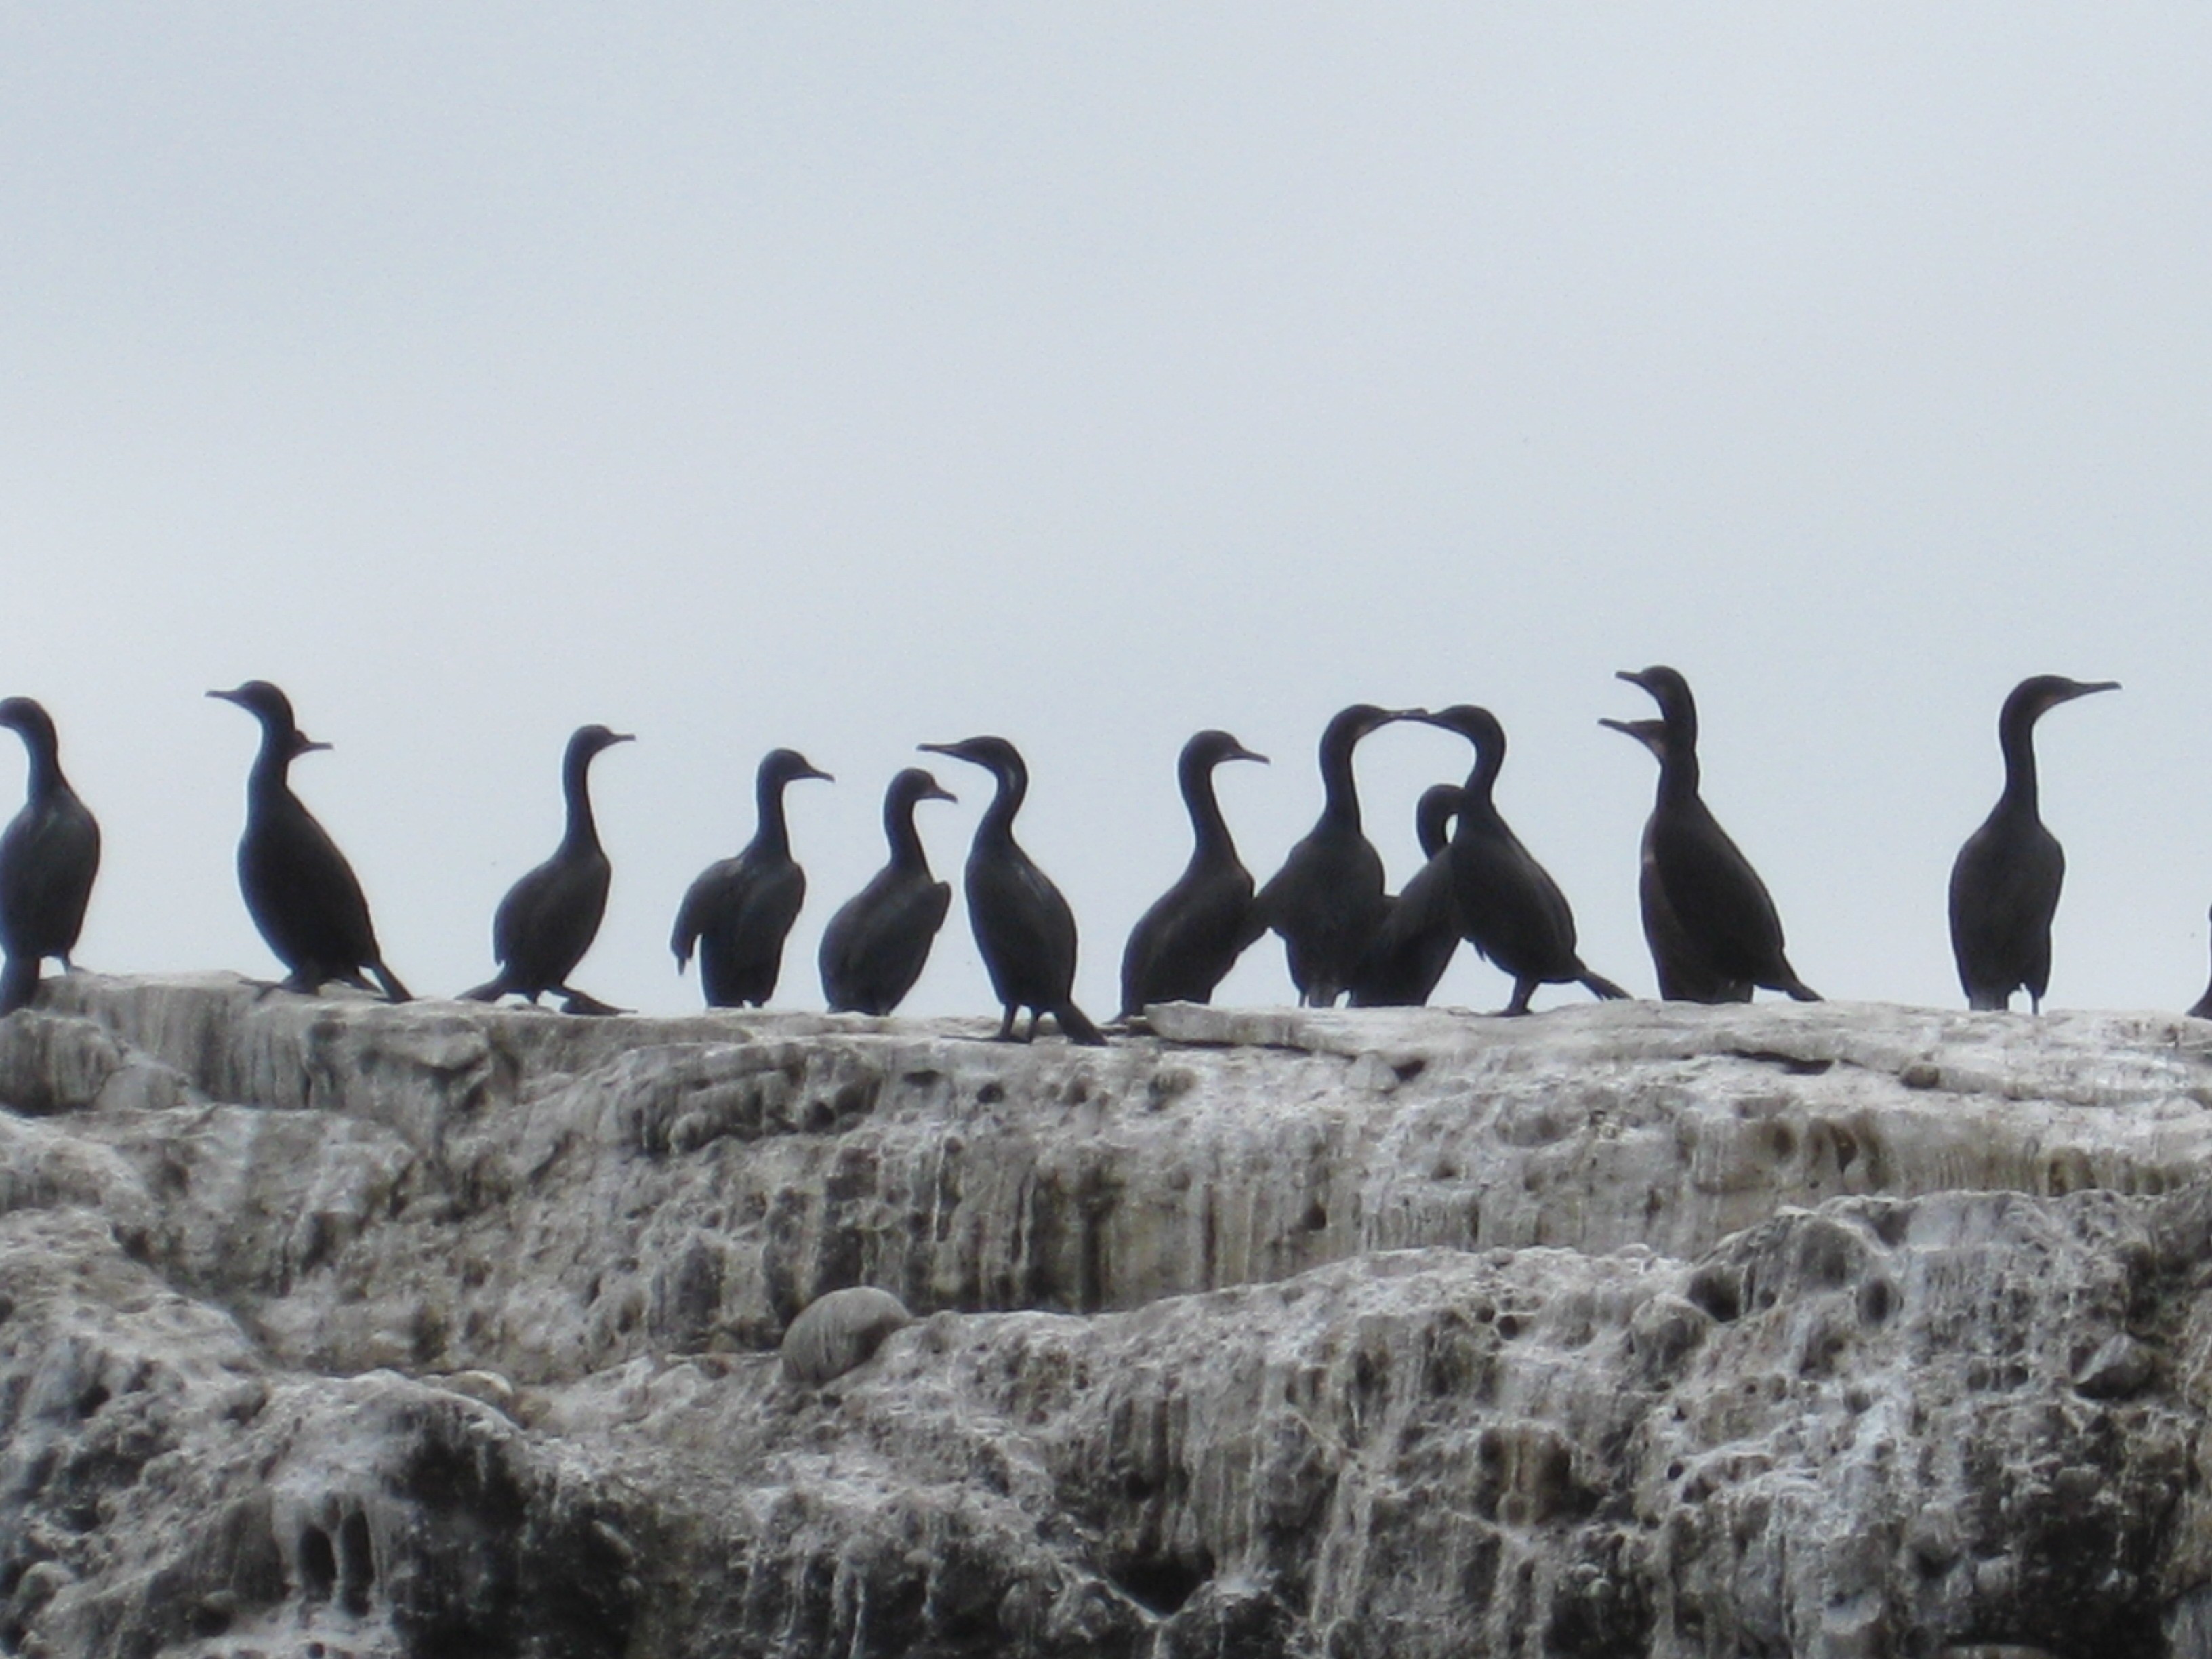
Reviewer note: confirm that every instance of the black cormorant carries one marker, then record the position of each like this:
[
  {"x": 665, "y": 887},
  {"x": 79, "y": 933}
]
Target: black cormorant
[
  {"x": 299, "y": 889},
  {"x": 1727, "y": 918},
  {"x": 877, "y": 945},
  {"x": 1326, "y": 901},
  {"x": 1022, "y": 926},
  {"x": 1420, "y": 930},
  {"x": 1684, "y": 975},
  {"x": 2004, "y": 886},
  {"x": 48, "y": 858},
  {"x": 550, "y": 915},
  {"x": 1193, "y": 934},
  {"x": 1509, "y": 908},
  {"x": 738, "y": 910}
]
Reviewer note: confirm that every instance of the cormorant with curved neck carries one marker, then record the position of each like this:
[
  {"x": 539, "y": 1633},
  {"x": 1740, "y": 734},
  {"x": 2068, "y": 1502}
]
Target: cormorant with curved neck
[
  {"x": 1684, "y": 976},
  {"x": 1728, "y": 925},
  {"x": 550, "y": 915},
  {"x": 1326, "y": 901},
  {"x": 1193, "y": 933},
  {"x": 877, "y": 945},
  {"x": 1420, "y": 930},
  {"x": 2004, "y": 886},
  {"x": 1022, "y": 926},
  {"x": 300, "y": 890},
  {"x": 48, "y": 858},
  {"x": 739, "y": 909},
  {"x": 1509, "y": 908}
]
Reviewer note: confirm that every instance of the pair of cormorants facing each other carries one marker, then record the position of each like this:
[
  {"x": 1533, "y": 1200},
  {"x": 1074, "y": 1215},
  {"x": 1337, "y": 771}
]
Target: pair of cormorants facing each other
[
  {"x": 49, "y": 855},
  {"x": 299, "y": 889},
  {"x": 1342, "y": 933},
  {"x": 1712, "y": 925}
]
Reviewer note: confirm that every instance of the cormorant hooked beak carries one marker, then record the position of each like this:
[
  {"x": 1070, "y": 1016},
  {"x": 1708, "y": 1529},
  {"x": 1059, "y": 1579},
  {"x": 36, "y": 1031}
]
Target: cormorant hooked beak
[
  {"x": 939, "y": 792},
  {"x": 1241, "y": 752}
]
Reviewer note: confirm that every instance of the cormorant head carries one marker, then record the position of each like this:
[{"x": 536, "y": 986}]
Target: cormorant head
[
  {"x": 1477, "y": 726},
  {"x": 1208, "y": 749},
  {"x": 26, "y": 715},
  {"x": 273, "y": 709},
  {"x": 2032, "y": 697},
  {"x": 1350, "y": 725},
  {"x": 912, "y": 784},
  {"x": 1432, "y": 816},
  {"x": 995, "y": 755},
  {"x": 782, "y": 765},
  {"x": 1668, "y": 689},
  {"x": 1652, "y": 734},
  {"x": 586, "y": 741}
]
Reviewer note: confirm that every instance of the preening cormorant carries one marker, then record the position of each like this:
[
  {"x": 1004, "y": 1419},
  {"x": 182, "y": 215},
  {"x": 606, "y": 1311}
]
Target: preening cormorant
[
  {"x": 1684, "y": 975},
  {"x": 550, "y": 915},
  {"x": 1022, "y": 926},
  {"x": 1728, "y": 923},
  {"x": 48, "y": 858},
  {"x": 1326, "y": 901},
  {"x": 738, "y": 910},
  {"x": 299, "y": 889},
  {"x": 1420, "y": 930},
  {"x": 1193, "y": 933},
  {"x": 2004, "y": 886},
  {"x": 877, "y": 945},
  {"x": 1510, "y": 908}
]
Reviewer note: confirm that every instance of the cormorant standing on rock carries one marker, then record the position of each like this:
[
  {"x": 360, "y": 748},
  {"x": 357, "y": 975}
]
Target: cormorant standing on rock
[
  {"x": 299, "y": 889},
  {"x": 1022, "y": 926},
  {"x": 1509, "y": 908},
  {"x": 1729, "y": 926},
  {"x": 2004, "y": 886},
  {"x": 739, "y": 910},
  {"x": 550, "y": 915},
  {"x": 48, "y": 858},
  {"x": 1326, "y": 901},
  {"x": 1684, "y": 976},
  {"x": 1420, "y": 930},
  {"x": 877, "y": 945},
  {"x": 1193, "y": 934}
]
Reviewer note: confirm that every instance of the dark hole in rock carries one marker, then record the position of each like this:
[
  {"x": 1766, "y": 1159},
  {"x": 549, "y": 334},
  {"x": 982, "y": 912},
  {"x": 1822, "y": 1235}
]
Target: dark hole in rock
[
  {"x": 1409, "y": 1069},
  {"x": 318, "y": 1564},
  {"x": 1162, "y": 1586},
  {"x": 921, "y": 1079},
  {"x": 92, "y": 1400},
  {"x": 357, "y": 1564},
  {"x": 1316, "y": 1219},
  {"x": 990, "y": 1095},
  {"x": 1784, "y": 1140},
  {"x": 1876, "y": 1301},
  {"x": 1508, "y": 1326},
  {"x": 1716, "y": 1291}
]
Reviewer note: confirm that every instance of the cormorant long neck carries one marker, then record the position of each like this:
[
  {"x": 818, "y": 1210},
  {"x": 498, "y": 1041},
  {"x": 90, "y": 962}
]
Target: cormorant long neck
[
  {"x": 998, "y": 825},
  {"x": 1678, "y": 767},
  {"x": 1489, "y": 762},
  {"x": 46, "y": 778},
  {"x": 2016, "y": 737},
  {"x": 272, "y": 766},
  {"x": 582, "y": 835},
  {"x": 1209, "y": 829},
  {"x": 906, "y": 850},
  {"x": 772, "y": 836},
  {"x": 1339, "y": 792}
]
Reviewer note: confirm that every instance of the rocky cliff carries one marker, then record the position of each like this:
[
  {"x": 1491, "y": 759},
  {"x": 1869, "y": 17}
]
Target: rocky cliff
[{"x": 331, "y": 1329}]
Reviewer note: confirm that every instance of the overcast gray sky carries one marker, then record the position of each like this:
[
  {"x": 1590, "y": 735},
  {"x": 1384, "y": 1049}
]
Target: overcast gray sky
[{"x": 847, "y": 377}]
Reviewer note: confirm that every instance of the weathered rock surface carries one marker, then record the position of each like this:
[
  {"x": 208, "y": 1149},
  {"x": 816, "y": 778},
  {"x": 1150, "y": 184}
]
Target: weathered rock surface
[{"x": 328, "y": 1328}]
